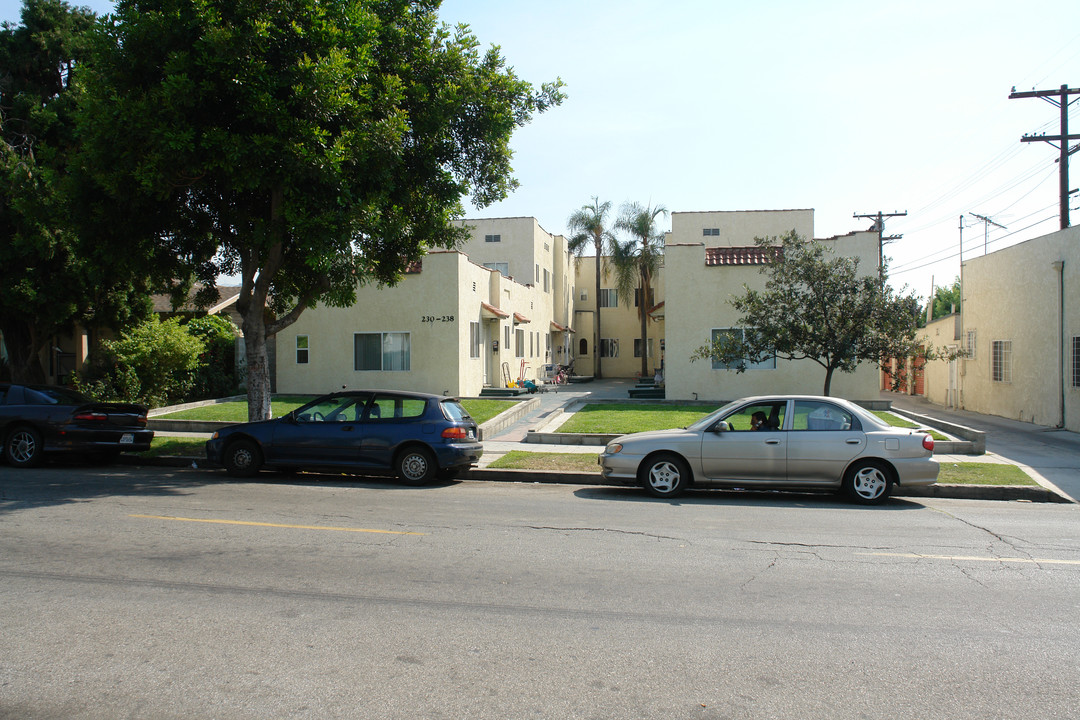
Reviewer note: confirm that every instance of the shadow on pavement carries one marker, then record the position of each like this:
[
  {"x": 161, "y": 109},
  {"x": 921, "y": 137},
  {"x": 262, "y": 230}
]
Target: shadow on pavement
[{"x": 756, "y": 498}]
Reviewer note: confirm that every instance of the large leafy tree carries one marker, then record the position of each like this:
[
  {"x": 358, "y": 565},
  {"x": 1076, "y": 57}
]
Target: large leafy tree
[
  {"x": 637, "y": 261},
  {"x": 589, "y": 230},
  {"x": 303, "y": 145},
  {"x": 817, "y": 306},
  {"x": 51, "y": 275}
]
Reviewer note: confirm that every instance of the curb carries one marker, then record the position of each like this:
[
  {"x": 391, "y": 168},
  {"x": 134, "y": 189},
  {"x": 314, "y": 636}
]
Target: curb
[{"x": 1013, "y": 493}]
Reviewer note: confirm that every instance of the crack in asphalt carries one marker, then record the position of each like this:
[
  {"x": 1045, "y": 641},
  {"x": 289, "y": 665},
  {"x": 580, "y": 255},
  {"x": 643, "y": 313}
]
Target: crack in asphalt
[{"x": 606, "y": 530}]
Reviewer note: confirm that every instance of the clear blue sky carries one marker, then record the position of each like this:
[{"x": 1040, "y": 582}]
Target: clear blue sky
[{"x": 842, "y": 106}]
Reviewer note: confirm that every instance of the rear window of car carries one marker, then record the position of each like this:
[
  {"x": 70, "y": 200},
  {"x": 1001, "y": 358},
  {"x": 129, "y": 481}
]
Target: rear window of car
[
  {"x": 53, "y": 396},
  {"x": 393, "y": 407},
  {"x": 454, "y": 411}
]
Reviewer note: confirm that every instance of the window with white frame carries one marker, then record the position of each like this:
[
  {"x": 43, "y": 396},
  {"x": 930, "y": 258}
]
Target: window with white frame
[
  {"x": 1001, "y": 361},
  {"x": 1076, "y": 361},
  {"x": 969, "y": 344},
  {"x": 502, "y": 267},
  {"x": 608, "y": 298},
  {"x": 637, "y": 347},
  {"x": 493, "y": 238},
  {"x": 537, "y": 272},
  {"x": 389, "y": 351},
  {"x": 301, "y": 349},
  {"x": 547, "y": 280},
  {"x": 519, "y": 343},
  {"x": 737, "y": 334},
  {"x": 474, "y": 339},
  {"x": 506, "y": 340},
  {"x": 609, "y": 347}
]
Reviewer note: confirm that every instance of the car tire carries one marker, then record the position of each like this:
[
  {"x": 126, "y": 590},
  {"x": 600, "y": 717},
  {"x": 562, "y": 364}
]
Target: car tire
[
  {"x": 242, "y": 458},
  {"x": 868, "y": 482},
  {"x": 416, "y": 466},
  {"x": 665, "y": 475},
  {"x": 23, "y": 447}
]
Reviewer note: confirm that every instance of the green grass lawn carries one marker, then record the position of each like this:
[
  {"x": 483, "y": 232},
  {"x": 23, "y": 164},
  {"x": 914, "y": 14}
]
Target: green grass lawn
[
  {"x": 621, "y": 419},
  {"x": 481, "y": 410}
]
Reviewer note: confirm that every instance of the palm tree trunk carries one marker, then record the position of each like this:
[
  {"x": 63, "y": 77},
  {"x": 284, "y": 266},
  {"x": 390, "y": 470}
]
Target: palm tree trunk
[{"x": 596, "y": 317}]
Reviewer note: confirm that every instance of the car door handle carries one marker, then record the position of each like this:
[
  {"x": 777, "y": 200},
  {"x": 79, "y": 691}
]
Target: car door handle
[
  {"x": 347, "y": 428},
  {"x": 772, "y": 442},
  {"x": 853, "y": 441}
]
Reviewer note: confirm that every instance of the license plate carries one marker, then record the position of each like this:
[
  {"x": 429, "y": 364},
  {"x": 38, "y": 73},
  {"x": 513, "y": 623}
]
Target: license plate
[
  {"x": 472, "y": 435},
  {"x": 127, "y": 439}
]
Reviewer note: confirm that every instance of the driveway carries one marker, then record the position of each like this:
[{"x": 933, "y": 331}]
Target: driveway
[{"x": 1051, "y": 453}]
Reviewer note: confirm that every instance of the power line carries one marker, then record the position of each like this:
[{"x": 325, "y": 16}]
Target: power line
[{"x": 1063, "y": 137}]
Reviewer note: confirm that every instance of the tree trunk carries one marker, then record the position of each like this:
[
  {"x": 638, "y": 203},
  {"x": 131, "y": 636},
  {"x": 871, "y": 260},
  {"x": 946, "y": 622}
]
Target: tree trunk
[
  {"x": 24, "y": 347},
  {"x": 828, "y": 381},
  {"x": 258, "y": 367},
  {"x": 643, "y": 310}
]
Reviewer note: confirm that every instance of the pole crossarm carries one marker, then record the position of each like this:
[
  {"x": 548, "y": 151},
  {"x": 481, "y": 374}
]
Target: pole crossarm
[{"x": 1063, "y": 137}]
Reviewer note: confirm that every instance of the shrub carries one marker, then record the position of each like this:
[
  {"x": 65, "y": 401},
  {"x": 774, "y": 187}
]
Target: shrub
[
  {"x": 216, "y": 374},
  {"x": 153, "y": 363}
]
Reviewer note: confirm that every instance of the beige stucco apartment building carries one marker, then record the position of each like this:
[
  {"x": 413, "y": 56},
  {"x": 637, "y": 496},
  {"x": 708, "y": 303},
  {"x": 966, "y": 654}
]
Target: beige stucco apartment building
[
  {"x": 512, "y": 299},
  {"x": 459, "y": 320},
  {"x": 1020, "y": 326},
  {"x": 713, "y": 255}
]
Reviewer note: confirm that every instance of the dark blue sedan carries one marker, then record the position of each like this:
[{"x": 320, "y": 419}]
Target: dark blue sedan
[{"x": 417, "y": 436}]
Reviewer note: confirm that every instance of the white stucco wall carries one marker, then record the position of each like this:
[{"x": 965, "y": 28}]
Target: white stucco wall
[{"x": 1028, "y": 295}]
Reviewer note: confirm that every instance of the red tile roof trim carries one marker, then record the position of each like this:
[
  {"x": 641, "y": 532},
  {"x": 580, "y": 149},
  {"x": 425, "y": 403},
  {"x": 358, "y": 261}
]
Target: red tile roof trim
[
  {"x": 493, "y": 310},
  {"x": 746, "y": 255}
]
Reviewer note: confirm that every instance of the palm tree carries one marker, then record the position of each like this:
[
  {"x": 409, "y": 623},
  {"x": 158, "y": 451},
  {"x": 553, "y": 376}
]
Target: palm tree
[
  {"x": 588, "y": 228},
  {"x": 637, "y": 260}
]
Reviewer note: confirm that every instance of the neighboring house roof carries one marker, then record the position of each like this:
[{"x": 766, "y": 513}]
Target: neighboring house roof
[
  {"x": 227, "y": 295},
  {"x": 745, "y": 255}
]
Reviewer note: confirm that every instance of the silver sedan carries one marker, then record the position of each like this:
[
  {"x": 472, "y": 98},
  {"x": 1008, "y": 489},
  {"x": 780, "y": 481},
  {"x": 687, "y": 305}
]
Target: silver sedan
[{"x": 795, "y": 441}]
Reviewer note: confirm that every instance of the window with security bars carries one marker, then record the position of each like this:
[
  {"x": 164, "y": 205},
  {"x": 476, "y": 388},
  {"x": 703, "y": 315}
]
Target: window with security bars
[
  {"x": 1076, "y": 361},
  {"x": 474, "y": 339},
  {"x": 969, "y": 344},
  {"x": 1001, "y": 361}
]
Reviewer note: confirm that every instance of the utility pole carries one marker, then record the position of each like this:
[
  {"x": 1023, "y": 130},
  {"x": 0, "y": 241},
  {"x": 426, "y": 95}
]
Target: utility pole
[
  {"x": 879, "y": 228},
  {"x": 1062, "y": 138},
  {"x": 987, "y": 222}
]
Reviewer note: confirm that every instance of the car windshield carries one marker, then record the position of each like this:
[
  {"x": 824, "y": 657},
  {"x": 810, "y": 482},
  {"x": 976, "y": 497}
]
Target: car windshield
[
  {"x": 44, "y": 395},
  {"x": 712, "y": 417},
  {"x": 453, "y": 410}
]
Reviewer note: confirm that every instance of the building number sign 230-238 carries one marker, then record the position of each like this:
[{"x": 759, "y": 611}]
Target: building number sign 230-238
[{"x": 437, "y": 318}]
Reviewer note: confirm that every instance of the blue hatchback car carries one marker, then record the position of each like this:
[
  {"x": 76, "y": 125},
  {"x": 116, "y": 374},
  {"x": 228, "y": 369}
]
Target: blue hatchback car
[{"x": 417, "y": 436}]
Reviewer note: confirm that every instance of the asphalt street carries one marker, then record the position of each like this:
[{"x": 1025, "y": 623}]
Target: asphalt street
[{"x": 169, "y": 593}]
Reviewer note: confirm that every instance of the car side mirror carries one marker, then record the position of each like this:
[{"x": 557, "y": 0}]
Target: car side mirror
[{"x": 721, "y": 426}]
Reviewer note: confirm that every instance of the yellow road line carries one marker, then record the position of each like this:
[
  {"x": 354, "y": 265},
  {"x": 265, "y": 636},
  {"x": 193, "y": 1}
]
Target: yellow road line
[
  {"x": 273, "y": 525},
  {"x": 1033, "y": 561}
]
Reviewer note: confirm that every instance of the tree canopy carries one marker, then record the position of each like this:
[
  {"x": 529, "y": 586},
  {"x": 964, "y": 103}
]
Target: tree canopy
[
  {"x": 817, "y": 306},
  {"x": 305, "y": 146},
  {"x": 51, "y": 274}
]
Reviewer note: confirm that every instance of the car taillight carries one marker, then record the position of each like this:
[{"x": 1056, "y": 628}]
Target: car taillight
[
  {"x": 455, "y": 433},
  {"x": 928, "y": 442},
  {"x": 92, "y": 416}
]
